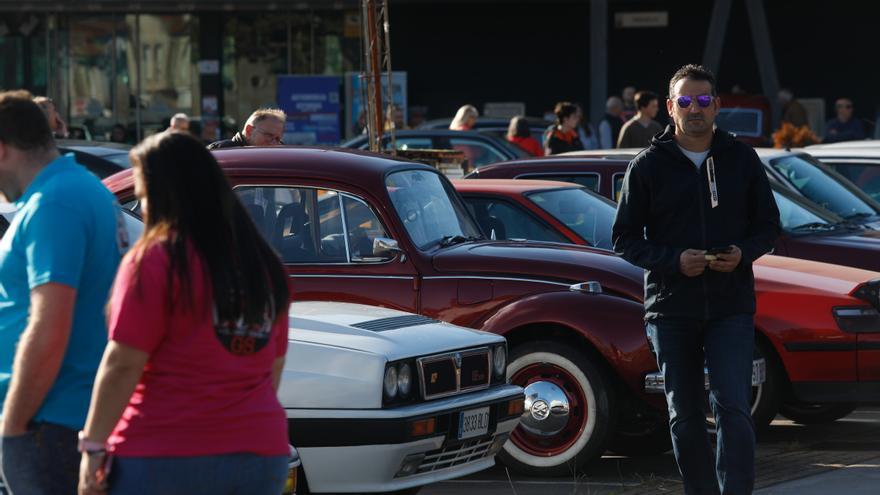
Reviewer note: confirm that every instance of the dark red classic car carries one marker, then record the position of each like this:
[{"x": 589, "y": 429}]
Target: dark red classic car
[
  {"x": 357, "y": 227},
  {"x": 809, "y": 231},
  {"x": 819, "y": 365}
]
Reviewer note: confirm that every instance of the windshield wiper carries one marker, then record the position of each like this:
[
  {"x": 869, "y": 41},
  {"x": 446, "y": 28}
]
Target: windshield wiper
[
  {"x": 449, "y": 240},
  {"x": 815, "y": 226},
  {"x": 857, "y": 216}
]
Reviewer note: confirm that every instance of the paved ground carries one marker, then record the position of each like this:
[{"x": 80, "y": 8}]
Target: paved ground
[{"x": 842, "y": 457}]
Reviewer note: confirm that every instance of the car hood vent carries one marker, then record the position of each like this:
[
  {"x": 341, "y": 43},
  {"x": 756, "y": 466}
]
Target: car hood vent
[{"x": 395, "y": 322}]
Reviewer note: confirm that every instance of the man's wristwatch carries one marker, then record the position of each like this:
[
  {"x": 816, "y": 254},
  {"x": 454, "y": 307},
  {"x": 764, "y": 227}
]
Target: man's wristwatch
[{"x": 86, "y": 446}]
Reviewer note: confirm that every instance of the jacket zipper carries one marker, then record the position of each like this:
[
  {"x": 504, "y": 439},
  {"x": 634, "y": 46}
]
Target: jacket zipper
[{"x": 705, "y": 237}]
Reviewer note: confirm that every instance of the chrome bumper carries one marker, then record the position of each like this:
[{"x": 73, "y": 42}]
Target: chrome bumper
[{"x": 655, "y": 384}]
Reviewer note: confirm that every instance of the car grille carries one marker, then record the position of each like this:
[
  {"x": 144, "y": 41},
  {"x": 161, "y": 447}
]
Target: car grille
[
  {"x": 454, "y": 372},
  {"x": 456, "y": 455}
]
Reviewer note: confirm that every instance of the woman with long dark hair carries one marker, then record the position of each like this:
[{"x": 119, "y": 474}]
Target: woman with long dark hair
[{"x": 185, "y": 397}]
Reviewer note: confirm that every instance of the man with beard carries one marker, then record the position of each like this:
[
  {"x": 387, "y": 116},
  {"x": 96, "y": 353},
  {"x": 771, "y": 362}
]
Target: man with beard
[
  {"x": 695, "y": 211},
  {"x": 57, "y": 263}
]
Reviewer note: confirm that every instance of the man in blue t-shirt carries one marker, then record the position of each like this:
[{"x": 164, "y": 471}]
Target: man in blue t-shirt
[{"x": 58, "y": 259}]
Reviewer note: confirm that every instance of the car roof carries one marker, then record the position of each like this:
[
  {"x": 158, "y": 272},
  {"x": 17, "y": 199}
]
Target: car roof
[
  {"x": 844, "y": 152},
  {"x": 564, "y": 160},
  {"x": 98, "y": 148},
  {"x": 861, "y": 143},
  {"x": 621, "y": 153},
  {"x": 484, "y": 122},
  {"x": 510, "y": 186},
  {"x": 321, "y": 163}
]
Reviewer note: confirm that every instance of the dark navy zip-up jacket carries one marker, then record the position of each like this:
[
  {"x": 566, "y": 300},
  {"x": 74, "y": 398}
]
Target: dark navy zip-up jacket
[{"x": 665, "y": 207}]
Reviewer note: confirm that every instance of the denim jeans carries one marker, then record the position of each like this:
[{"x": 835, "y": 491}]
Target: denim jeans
[
  {"x": 726, "y": 347},
  {"x": 234, "y": 474},
  {"x": 43, "y": 461}
]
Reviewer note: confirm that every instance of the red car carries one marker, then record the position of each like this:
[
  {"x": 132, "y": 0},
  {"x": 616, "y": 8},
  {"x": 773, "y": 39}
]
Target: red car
[
  {"x": 357, "y": 227},
  {"x": 809, "y": 231},
  {"x": 818, "y": 324}
]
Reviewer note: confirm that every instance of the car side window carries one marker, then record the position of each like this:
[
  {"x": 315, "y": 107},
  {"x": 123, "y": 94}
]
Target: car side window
[
  {"x": 617, "y": 187},
  {"x": 307, "y": 225},
  {"x": 410, "y": 143},
  {"x": 476, "y": 152},
  {"x": 866, "y": 175},
  {"x": 502, "y": 220},
  {"x": 363, "y": 227},
  {"x": 590, "y": 181}
]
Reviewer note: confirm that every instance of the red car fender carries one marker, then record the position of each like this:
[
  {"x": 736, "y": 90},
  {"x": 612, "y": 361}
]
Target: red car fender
[{"x": 613, "y": 326}]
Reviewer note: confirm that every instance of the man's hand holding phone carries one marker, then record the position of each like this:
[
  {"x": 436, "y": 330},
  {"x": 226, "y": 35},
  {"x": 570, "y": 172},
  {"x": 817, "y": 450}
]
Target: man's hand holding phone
[
  {"x": 693, "y": 262},
  {"x": 724, "y": 259}
]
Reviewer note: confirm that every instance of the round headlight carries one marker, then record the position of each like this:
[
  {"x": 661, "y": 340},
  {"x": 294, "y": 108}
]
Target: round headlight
[
  {"x": 390, "y": 384},
  {"x": 404, "y": 379},
  {"x": 499, "y": 361}
]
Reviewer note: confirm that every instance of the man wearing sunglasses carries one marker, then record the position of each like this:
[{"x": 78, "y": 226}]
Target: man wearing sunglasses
[
  {"x": 695, "y": 211},
  {"x": 265, "y": 127}
]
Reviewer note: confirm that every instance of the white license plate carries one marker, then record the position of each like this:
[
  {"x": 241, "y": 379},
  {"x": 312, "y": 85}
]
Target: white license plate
[
  {"x": 759, "y": 372},
  {"x": 473, "y": 423}
]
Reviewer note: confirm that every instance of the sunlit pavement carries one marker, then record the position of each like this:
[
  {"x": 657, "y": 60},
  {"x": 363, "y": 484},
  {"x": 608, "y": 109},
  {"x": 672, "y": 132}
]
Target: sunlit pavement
[{"x": 841, "y": 457}]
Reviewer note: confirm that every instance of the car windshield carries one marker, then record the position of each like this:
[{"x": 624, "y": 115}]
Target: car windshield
[
  {"x": 429, "y": 211},
  {"x": 587, "y": 214},
  {"x": 795, "y": 217},
  {"x": 814, "y": 182}
]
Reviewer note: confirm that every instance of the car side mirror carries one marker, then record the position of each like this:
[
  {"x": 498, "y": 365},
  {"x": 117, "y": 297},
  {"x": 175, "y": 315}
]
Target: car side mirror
[{"x": 384, "y": 247}]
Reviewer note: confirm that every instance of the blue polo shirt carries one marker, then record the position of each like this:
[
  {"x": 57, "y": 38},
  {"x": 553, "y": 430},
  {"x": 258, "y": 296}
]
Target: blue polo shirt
[{"x": 66, "y": 231}]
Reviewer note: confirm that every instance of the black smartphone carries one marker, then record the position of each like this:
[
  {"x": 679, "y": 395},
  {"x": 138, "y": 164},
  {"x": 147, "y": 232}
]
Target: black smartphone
[{"x": 719, "y": 250}]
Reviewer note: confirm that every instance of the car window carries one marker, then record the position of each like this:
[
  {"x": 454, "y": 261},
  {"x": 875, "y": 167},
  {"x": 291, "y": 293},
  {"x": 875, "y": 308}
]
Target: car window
[
  {"x": 820, "y": 187},
  {"x": 590, "y": 181},
  {"x": 866, "y": 175},
  {"x": 501, "y": 219},
  {"x": 618, "y": 186},
  {"x": 477, "y": 153},
  {"x": 307, "y": 225},
  {"x": 428, "y": 208},
  {"x": 363, "y": 228},
  {"x": 792, "y": 214},
  {"x": 590, "y": 215},
  {"x": 740, "y": 121},
  {"x": 302, "y": 224},
  {"x": 134, "y": 227},
  {"x": 410, "y": 143}
]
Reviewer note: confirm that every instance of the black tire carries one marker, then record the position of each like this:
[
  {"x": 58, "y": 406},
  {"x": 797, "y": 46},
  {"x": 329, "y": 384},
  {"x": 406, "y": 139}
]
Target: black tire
[
  {"x": 816, "y": 414},
  {"x": 643, "y": 440},
  {"x": 591, "y": 419},
  {"x": 767, "y": 398}
]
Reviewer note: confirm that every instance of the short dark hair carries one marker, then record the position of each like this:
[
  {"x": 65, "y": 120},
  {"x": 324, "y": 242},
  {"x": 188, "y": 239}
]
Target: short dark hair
[
  {"x": 564, "y": 110},
  {"x": 693, "y": 72},
  {"x": 644, "y": 98},
  {"x": 23, "y": 123}
]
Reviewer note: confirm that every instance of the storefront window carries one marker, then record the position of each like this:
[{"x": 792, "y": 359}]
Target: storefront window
[{"x": 168, "y": 70}]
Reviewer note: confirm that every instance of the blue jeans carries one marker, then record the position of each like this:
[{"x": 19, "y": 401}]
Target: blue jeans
[
  {"x": 43, "y": 461},
  {"x": 234, "y": 474},
  {"x": 726, "y": 346}
]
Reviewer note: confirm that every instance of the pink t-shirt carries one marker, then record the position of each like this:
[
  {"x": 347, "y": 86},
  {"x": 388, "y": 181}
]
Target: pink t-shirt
[{"x": 202, "y": 392}]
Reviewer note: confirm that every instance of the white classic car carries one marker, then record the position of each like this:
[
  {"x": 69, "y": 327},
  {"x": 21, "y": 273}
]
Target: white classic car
[{"x": 380, "y": 400}]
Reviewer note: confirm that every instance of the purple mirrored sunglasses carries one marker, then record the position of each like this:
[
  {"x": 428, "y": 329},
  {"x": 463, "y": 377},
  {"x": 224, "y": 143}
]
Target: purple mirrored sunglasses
[{"x": 702, "y": 100}]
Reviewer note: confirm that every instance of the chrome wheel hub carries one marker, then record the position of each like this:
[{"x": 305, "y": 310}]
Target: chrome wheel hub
[{"x": 546, "y": 409}]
